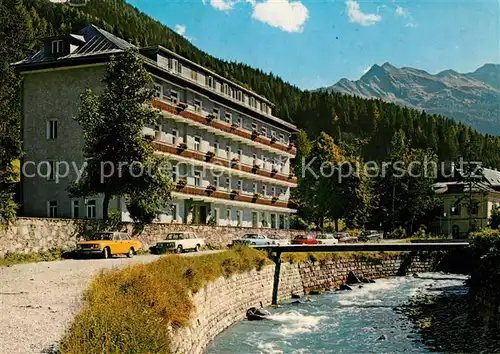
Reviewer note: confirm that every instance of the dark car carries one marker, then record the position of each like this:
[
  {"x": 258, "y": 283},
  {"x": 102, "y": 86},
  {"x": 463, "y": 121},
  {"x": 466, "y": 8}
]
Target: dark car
[{"x": 304, "y": 240}]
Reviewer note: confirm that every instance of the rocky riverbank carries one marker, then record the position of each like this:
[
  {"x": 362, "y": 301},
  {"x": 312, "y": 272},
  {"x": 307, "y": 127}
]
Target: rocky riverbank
[{"x": 447, "y": 323}]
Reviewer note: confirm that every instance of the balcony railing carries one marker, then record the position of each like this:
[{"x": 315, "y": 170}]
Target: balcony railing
[
  {"x": 200, "y": 118},
  {"x": 217, "y": 161},
  {"x": 238, "y": 196}
]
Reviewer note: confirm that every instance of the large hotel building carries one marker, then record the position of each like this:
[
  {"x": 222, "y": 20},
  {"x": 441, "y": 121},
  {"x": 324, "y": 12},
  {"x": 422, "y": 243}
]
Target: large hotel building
[{"x": 207, "y": 122}]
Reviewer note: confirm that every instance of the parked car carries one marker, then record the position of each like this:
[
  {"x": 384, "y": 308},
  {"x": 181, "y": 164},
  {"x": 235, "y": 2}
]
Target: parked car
[
  {"x": 253, "y": 240},
  {"x": 327, "y": 239},
  {"x": 279, "y": 240},
  {"x": 304, "y": 240},
  {"x": 371, "y": 235},
  {"x": 108, "y": 244},
  {"x": 179, "y": 242},
  {"x": 344, "y": 237}
]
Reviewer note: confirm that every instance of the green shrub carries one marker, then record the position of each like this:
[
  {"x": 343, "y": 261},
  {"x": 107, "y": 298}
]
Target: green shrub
[
  {"x": 398, "y": 233},
  {"x": 53, "y": 254},
  {"x": 485, "y": 243}
]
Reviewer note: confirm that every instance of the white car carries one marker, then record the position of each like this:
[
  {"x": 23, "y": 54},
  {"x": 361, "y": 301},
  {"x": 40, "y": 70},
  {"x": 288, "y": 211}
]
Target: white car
[
  {"x": 180, "y": 242},
  {"x": 279, "y": 240},
  {"x": 327, "y": 239}
]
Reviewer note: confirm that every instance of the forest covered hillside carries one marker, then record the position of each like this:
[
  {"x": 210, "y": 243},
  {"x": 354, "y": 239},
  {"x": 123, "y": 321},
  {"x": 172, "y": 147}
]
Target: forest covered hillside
[{"x": 365, "y": 122}]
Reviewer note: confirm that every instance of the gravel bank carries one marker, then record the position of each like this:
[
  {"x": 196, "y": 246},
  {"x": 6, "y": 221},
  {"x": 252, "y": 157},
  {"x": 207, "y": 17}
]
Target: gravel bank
[{"x": 39, "y": 300}]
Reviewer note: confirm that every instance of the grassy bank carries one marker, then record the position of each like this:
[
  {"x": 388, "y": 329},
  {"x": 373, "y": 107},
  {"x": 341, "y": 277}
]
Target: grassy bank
[
  {"x": 55, "y": 254},
  {"x": 131, "y": 310},
  {"x": 372, "y": 257}
]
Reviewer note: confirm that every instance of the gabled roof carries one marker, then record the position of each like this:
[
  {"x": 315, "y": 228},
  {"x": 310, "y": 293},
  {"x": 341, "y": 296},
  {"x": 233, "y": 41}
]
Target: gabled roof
[{"x": 96, "y": 41}]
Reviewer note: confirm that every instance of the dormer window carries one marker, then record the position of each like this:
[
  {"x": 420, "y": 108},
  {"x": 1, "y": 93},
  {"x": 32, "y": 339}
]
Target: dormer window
[{"x": 57, "y": 46}]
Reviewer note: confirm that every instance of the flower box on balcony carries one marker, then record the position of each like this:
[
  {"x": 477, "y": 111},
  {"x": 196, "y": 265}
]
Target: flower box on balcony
[
  {"x": 212, "y": 187},
  {"x": 210, "y": 155},
  {"x": 234, "y": 193},
  {"x": 274, "y": 171},
  {"x": 273, "y": 140},
  {"x": 255, "y": 167},
  {"x": 210, "y": 117},
  {"x": 181, "y": 106},
  {"x": 255, "y": 134},
  {"x": 257, "y": 196},
  {"x": 234, "y": 161},
  {"x": 291, "y": 146},
  {"x": 274, "y": 199},
  {"x": 235, "y": 126},
  {"x": 181, "y": 183},
  {"x": 181, "y": 147},
  {"x": 290, "y": 176}
]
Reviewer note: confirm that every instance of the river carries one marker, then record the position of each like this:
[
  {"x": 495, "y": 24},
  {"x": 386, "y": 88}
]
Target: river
[{"x": 341, "y": 321}]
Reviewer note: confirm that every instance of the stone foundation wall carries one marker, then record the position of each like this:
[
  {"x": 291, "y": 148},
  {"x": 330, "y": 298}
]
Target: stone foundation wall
[
  {"x": 224, "y": 302},
  {"x": 27, "y": 235}
]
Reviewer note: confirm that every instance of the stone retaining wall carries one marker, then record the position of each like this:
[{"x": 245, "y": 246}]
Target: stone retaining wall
[
  {"x": 485, "y": 292},
  {"x": 27, "y": 235},
  {"x": 224, "y": 302}
]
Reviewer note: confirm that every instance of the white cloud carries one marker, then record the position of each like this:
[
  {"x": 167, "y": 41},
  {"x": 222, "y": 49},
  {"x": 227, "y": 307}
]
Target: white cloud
[
  {"x": 283, "y": 14},
  {"x": 401, "y": 11},
  {"x": 357, "y": 16},
  {"x": 222, "y": 5},
  {"x": 181, "y": 29}
]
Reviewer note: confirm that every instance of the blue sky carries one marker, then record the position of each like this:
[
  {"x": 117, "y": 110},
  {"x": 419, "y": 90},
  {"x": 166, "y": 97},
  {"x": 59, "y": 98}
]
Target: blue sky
[{"x": 314, "y": 43}]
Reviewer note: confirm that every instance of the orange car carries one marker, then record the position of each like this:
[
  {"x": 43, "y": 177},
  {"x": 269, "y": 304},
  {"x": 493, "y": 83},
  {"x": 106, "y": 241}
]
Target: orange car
[{"x": 108, "y": 244}]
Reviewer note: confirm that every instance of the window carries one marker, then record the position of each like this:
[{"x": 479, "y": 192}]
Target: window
[
  {"x": 216, "y": 112},
  {"x": 263, "y": 218},
  {"x": 216, "y": 181},
  {"x": 255, "y": 188},
  {"x": 456, "y": 209},
  {"x": 197, "y": 105},
  {"x": 51, "y": 172},
  {"x": 282, "y": 221},
  {"x": 57, "y": 46},
  {"x": 233, "y": 92},
  {"x": 228, "y": 183},
  {"x": 178, "y": 67},
  {"x": 174, "y": 96},
  {"x": 228, "y": 214},
  {"x": 91, "y": 209},
  {"x": 282, "y": 138},
  {"x": 273, "y": 221},
  {"x": 209, "y": 81},
  {"x": 239, "y": 215},
  {"x": 170, "y": 63},
  {"x": 264, "y": 159},
  {"x": 264, "y": 107},
  {"x": 216, "y": 216},
  {"x": 264, "y": 190},
  {"x": 173, "y": 210},
  {"x": 75, "y": 209},
  {"x": 158, "y": 90},
  {"x": 252, "y": 102},
  {"x": 197, "y": 143},
  {"x": 52, "y": 129},
  {"x": 254, "y": 126},
  {"x": 240, "y": 154},
  {"x": 263, "y": 131},
  {"x": 239, "y": 96},
  {"x": 273, "y": 191},
  {"x": 52, "y": 209},
  {"x": 216, "y": 147},
  {"x": 240, "y": 185},
  {"x": 197, "y": 178},
  {"x": 474, "y": 208},
  {"x": 281, "y": 191},
  {"x": 228, "y": 151},
  {"x": 194, "y": 75},
  {"x": 175, "y": 135},
  {"x": 226, "y": 90},
  {"x": 273, "y": 133},
  {"x": 175, "y": 173},
  {"x": 228, "y": 117},
  {"x": 255, "y": 219},
  {"x": 254, "y": 156}
]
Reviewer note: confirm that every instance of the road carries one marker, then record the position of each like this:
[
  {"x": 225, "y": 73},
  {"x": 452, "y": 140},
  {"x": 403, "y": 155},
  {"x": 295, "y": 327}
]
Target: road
[{"x": 39, "y": 300}]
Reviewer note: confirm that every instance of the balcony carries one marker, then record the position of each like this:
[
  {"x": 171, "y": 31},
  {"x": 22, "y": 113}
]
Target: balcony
[
  {"x": 208, "y": 120},
  {"x": 211, "y": 158},
  {"x": 233, "y": 195}
]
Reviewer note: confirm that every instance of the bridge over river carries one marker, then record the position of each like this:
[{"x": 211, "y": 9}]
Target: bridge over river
[{"x": 355, "y": 247}]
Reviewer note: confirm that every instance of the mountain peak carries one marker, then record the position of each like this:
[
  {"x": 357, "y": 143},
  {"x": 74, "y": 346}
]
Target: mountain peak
[{"x": 388, "y": 66}]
